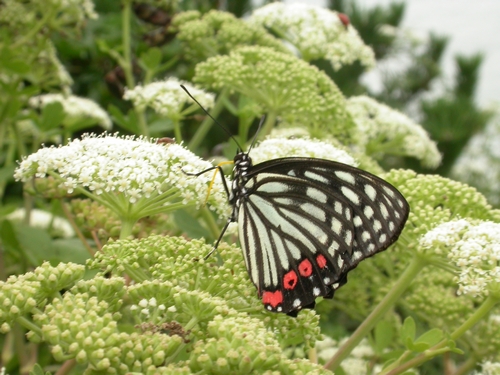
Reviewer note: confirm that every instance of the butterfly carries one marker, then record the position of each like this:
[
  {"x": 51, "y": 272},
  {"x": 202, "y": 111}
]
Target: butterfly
[{"x": 304, "y": 223}]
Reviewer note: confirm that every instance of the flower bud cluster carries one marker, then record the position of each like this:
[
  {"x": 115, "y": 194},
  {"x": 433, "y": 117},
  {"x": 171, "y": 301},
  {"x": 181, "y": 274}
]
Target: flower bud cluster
[
  {"x": 216, "y": 32},
  {"x": 21, "y": 295},
  {"x": 281, "y": 84}
]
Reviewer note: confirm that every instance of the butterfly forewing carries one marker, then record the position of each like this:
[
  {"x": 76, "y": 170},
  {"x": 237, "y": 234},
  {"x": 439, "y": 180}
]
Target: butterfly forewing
[{"x": 304, "y": 223}]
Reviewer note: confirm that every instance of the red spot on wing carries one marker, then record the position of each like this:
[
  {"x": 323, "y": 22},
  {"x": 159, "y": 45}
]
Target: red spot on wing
[
  {"x": 305, "y": 268},
  {"x": 290, "y": 280},
  {"x": 272, "y": 298},
  {"x": 321, "y": 261}
]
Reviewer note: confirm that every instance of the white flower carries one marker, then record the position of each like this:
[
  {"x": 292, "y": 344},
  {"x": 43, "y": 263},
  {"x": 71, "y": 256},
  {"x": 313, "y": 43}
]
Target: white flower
[
  {"x": 317, "y": 33},
  {"x": 382, "y": 129},
  {"x": 75, "y": 108},
  {"x": 167, "y": 97},
  {"x": 273, "y": 148},
  {"x": 479, "y": 162},
  {"x": 45, "y": 220},
  {"x": 474, "y": 248},
  {"x": 118, "y": 170},
  {"x": 489, "y": 368}
]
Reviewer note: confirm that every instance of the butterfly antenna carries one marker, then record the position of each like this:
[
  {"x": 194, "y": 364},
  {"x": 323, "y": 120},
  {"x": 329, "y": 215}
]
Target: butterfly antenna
[
  {"x": 209, "y": 115},
  {"x": 257, "y": 133}
]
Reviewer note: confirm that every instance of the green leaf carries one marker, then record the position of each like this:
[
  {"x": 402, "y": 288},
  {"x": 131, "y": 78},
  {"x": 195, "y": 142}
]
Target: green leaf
[
  {"x": 52, "y": 116},
  {"x": 190, "y": 225},
  {"x": 151, "y": 59},
  {"x": 13, "y": 65},
  {"x": 7, "y": 173},
  {"x": 407, "y": 332},
  {"x": 129, "y": 121},
  {"x": 36, "y": 243},
  {"x": 38, "y": 370},
  {"x": 431, "y": 337},
  {"x": 69, "y": 250},
  {"x": 384, "y": 336}
]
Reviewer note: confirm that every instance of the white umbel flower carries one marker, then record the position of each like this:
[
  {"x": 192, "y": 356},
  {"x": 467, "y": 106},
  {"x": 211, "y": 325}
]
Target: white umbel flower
[
  {"x": 383, "y": 130},
  {"x": 75, "y": 109},
  {"x": 317, "y": 33},
  {"x": 474, "y": 248},
  {"x": 273, "y": 148},
  {"x": 45, "y": 220},
  {"x": 167, "y": 97},
  {"x": 121, "y": 170}
]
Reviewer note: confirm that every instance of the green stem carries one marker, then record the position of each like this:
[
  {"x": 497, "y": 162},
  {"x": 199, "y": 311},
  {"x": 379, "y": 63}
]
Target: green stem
[
  {"x": 49, "y": 13},
  {"x": 210, "y": 221},
  {"x": 29, "y": 325},
  {"x": 126, "y": 229},
  {"x": 268, "y": 124},
  {"x": 207, "y": 123},
  {"x": 441, "y": 347},
  {"x": 479, "y": 314},
  {"x": 415, "y": 266},
  {"x": 126, "y": 44},
  {"x": 177, "y": 131}
]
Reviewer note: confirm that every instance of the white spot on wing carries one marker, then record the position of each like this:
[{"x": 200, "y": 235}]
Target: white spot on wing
[
  {"x": 314, "y": 211},
  {"x": 338, "y": 207},
  {"x": 383, "y": 210},
  {"x": 336, "y": 226},
  {"x": 273, "y": 187},
  {"x": 346, "y": 177},
  {"x": 296, "y": 303},
  {"x": 316, "y": 195},
  {"x": 350, "y": 194},
  {"x": 388, "y": 191},
  {"x": 357, "y": 221},
  {"x": 368, "y": 211},
  {"x": 365, "y": 236},
  {"x": 332, "y": 250},
  {"x": 280, "y": 250},
  {"x": 383, "y": 237},
  {"x": 371, "y": 192},
  {"x": 316, "y": 291},
  {"x": 316, "y": 177},
  {"x": 377, "y": 225}
]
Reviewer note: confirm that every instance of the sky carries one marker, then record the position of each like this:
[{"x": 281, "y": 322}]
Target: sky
[{"x": 472, "y": 27}]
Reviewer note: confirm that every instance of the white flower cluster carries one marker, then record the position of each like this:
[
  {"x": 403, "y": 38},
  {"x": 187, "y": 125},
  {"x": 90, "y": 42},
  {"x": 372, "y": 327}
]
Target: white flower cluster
[
  {"x": 45, "y": 220},
  {"x": 489, "y": 368},
  {"x": 382, "y": 129},
  {"x": 475, "y": 249},
  {"x": 75, "y": 108},
  {"x": 126, "y": 166},
  {"x": 273, "y": 148},
  {"x": 479, "y": 163},
  {"x": 167, "y": 97},
  {"x": 317, "y": 33}
]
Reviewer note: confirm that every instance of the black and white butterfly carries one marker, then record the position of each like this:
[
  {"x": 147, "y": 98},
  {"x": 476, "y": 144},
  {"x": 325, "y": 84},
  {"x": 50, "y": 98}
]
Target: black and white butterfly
[{"x": 304, "y": 223}]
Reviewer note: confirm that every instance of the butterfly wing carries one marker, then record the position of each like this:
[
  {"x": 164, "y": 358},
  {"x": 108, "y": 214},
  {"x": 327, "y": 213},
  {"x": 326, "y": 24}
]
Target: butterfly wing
[{"x": 304, "y": 223}]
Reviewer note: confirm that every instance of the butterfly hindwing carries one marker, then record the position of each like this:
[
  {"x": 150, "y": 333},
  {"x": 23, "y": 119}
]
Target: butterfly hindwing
[{"x": 304, "y": 223}]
